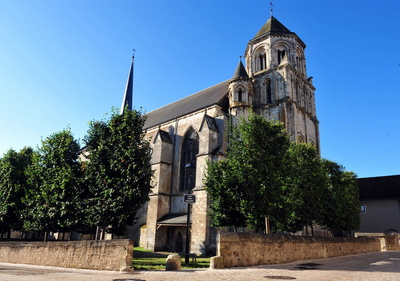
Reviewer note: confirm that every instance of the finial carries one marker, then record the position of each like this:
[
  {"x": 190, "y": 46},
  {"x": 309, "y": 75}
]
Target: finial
[
  {"x": 133, "y": 53},
  {"x": 271, "y": 8},
  {"x": 240, "y": 58}
]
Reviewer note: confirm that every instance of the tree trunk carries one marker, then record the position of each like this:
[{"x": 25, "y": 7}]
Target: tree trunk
[
  {"x": 97, "y": 235},
  {"x": 267, "y": 226},
  {"x": 103, "y": 234}
]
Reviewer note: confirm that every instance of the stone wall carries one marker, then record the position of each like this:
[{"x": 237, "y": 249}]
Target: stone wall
[
  {"x": 244, "y": 249},
  {"x": 114, "y": 255}
]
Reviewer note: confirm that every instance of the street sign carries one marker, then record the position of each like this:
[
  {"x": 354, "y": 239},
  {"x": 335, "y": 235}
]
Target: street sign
[{"x": 189, "y": 198}]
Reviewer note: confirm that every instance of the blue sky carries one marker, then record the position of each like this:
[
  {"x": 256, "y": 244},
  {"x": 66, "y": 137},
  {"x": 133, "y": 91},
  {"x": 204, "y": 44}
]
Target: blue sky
[{"x": 64, "y": 63}]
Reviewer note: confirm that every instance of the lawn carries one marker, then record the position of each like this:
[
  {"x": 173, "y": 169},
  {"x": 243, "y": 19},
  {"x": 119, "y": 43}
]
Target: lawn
[{"x": 145, "y": 260}]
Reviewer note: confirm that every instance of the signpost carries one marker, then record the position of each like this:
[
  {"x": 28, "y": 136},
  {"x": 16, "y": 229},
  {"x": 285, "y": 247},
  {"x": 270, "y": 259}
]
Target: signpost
[{"x": 188, "y": 199}]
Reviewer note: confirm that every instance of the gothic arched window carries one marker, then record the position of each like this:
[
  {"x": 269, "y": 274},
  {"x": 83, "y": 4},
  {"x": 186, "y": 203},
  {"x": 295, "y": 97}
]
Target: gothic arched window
[{"x": 190, "y": 148}]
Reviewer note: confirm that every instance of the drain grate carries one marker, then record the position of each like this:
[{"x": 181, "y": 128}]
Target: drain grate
[
  {"x": 308, "y": 266},
  {"x": 311, "y": 264},
  {"x": 280, "y": 277},
  {"x": 129, "y": 280}
]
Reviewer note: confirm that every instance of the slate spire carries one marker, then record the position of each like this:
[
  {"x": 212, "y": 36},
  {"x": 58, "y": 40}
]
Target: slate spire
[
  {"x": 272, "y": 26},
  {"x": 128, "y": 96},
  {"x": 240, "y": 71}
]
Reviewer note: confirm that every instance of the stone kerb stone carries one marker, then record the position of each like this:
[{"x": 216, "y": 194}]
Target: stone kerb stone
[
  {"x": 173, "y": 262},
  {"x": 216, "y": 262}
]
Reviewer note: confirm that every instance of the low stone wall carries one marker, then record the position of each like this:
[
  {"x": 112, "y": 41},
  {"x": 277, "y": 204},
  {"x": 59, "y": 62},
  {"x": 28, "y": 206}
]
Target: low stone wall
[
  {"x": 388, "y": 242},
  {"x": 115, "y": 255},
  {"x": 244, "y": 249}
]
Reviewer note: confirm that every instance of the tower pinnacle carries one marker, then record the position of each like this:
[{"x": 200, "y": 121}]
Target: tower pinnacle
[
  {"x": 271, "y": 8},
  {"x": 128, "y": 96}
]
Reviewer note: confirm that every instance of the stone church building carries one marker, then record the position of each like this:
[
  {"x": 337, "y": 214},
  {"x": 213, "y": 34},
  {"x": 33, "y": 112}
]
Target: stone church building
[{"x": 187, "y": 133}]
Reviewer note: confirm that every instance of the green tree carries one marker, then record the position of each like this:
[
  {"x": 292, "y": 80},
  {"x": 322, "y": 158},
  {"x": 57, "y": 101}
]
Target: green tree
[
  {"x": 54, "y": 200},
  {"x": 13, "y": 185},
  {"x": 306, "y": 183},
  {"x": 225, "y": 192},
  {"x": 342, "y": 210},
  {"x": 118, "y": 171},
  {"x": 254, "y": 174}
]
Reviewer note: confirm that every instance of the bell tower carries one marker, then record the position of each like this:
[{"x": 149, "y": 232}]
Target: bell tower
[{"x": 281, "y": 90}]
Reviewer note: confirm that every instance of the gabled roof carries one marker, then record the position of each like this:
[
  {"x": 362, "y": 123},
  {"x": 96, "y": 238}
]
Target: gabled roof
[
  {"x": 215, "y": 95},
  {"x": 272, "y": 26},
  {"x": 379, "y": 187}
]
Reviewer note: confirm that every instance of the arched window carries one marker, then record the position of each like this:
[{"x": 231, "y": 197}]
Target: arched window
[
  {"x": 240, "y": 94},
  {"x": 268, "y": 90},
  {"x": 190, "y": 148},
  {"x": 281, "y": 54},
  {"x": 262, "y": 61}
]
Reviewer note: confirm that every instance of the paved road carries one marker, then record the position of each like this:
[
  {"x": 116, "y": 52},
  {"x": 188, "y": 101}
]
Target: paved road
[{"x": 367, "y": 267}]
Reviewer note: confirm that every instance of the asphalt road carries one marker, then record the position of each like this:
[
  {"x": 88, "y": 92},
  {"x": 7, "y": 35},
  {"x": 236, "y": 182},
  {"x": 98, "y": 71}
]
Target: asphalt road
[{"x": 366, "y": 267}]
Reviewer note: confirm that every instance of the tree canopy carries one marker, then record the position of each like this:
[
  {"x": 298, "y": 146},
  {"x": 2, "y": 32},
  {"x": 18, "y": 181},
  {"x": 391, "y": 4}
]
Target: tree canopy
[
  {"x": 266, "y": 176},
  {"x": 118, "y": 170},
  {"x": 54, "y": 197},
  {"x": 61, "y": 187},
  {"x": 342, "y": 198},
  {"x": 251, "y": 175},
  {"x": 13, "y": 186}
]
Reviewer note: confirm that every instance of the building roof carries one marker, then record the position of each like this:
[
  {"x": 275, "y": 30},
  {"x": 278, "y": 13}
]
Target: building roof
[
  {"x": 174, "y": 219},
  {"x": 379, "y": 187},
  {"x": 272, "y": 25},
  {"x": 215, "y": 95},
  {"x": 128, "y": 96},
  {"x": 240, "y": 71}
]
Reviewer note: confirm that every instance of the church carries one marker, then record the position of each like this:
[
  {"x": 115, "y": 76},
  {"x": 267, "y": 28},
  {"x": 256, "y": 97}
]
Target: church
[{"x": 185, "y": 134}]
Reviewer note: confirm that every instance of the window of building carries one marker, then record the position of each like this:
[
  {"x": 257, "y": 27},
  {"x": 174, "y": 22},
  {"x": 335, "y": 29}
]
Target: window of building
[
  {"x": 190, "y": 148},
  {"x": 281, "y": 54},
  {"x": 240, "y": 95},
  {"x": 262, "y": 61},
  {"x": 268, "y": 89}
]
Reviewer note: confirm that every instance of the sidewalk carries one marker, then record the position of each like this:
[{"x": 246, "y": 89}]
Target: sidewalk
[{"x": 369, "y": 267}]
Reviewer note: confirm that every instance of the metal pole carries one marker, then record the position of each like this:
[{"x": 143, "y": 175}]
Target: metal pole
[
  {"x": 187, "y": 235},
  {"x": 188, "y": 168}
]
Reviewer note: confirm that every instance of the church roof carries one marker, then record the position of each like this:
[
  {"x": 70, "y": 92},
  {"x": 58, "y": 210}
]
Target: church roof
[
  {"x": 272, "y": 25},
  {"x": 215, "y": 95},
  {"x": 379, "y": 187},
  {"x": 240, "y": 71}
]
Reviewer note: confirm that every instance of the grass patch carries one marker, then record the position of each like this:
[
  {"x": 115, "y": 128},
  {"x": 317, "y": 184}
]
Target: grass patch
[{"x": 147, "y": 260}]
